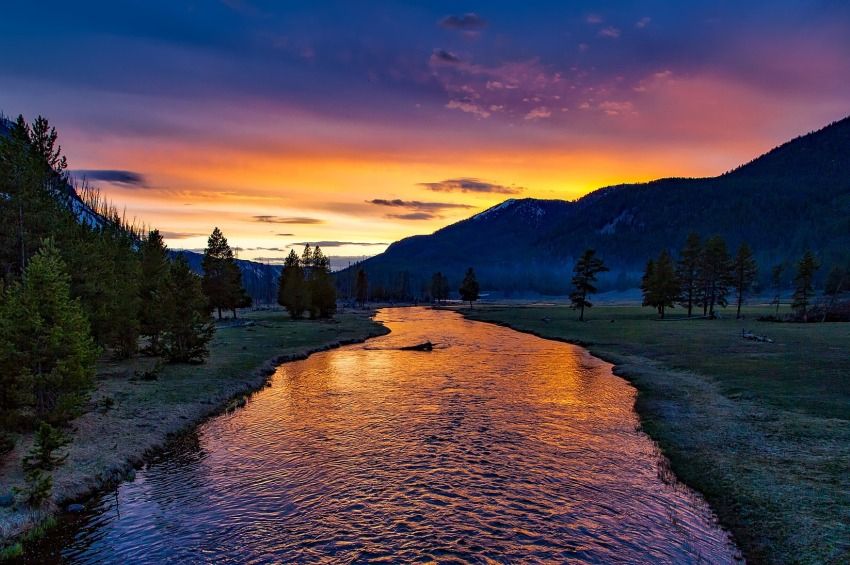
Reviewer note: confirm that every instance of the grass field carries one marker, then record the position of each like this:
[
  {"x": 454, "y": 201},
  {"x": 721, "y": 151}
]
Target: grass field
[
  {"x": 129, "y": 416},
  {"x": 761, "y": 429}
]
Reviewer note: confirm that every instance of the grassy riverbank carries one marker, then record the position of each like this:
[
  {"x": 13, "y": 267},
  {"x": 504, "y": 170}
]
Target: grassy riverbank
[
  {"x": 761, "y": 429},
  {"x": 129, "y": 416}
]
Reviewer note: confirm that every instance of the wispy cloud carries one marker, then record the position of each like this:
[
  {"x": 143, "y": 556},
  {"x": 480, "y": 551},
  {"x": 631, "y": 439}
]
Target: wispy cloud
[
  {"x": 179, "y": 234},
  {"x": 442, "y": 56},
  {"x": 470, "y": 185},
  {"x": 610, "y": 32},
  {"x": 114, "y": 176},
  {"x": 413, "y": 216},
  {"x": 285, "y": 234},
  {"x": 467, "y": 22},
  {"x": 643, "y": 22},
  {"x": 418, "y": 205},
  {"x": 287, "y": 220},
  {"x": 334, "y": 243}
]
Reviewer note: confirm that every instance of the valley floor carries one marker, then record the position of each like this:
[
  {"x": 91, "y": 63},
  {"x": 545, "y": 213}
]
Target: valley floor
[
  {"x": 129, "y": 417},
  {"x": 761, "y": 429}
]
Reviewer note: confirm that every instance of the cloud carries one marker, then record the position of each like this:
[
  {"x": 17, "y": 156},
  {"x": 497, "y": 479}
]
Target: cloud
[
  {"x": 593, "y": 19},
  {"x": 614, "y": 108},
  {"x": 445, "y": 57},
  {"x": 413, "y": 216},
  {"x": 334, "y": 243},
  {"x": 468, "y": 107},
  {"x": 287, "y": 220},
  {"x": 179, "y": 234},
  {"x": 609, "y": 31},
  {"x": 467, "y": 22},
  {"x": 538, "y": 113},
  {"x": 418, "y": 205},
  {"x": 642, "y": 23},
  {"x": 114, "y": 176},
  {"x": 470, "y": 185},
  {"x": 285, "y": 234}
]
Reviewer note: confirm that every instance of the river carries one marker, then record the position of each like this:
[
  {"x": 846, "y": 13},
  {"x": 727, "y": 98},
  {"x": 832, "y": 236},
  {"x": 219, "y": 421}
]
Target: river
[{"x": 495, "y": 447}]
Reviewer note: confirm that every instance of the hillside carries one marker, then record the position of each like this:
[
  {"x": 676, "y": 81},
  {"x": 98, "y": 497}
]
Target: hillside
[{"x": 794, "y": 197}]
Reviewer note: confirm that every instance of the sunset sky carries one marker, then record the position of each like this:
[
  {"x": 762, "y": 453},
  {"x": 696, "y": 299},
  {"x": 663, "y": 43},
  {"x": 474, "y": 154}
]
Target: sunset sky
[{"x": 354, "y": 124}]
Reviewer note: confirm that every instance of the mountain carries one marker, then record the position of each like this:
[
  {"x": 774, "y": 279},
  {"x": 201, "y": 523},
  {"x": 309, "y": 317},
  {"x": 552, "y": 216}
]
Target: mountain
[{"x": 794, "y": 197}]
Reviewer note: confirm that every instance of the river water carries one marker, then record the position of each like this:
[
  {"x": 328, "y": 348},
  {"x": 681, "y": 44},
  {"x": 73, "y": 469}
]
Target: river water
[{"x": 495, "y": 447}]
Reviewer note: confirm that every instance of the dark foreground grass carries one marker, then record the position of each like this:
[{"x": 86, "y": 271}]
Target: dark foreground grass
[
  {"x": 761, "y": 429},
  {"x": 129, "y": 417}
]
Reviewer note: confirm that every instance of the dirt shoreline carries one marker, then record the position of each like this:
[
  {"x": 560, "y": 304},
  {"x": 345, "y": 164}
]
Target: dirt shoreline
[{"x": 107, "y": 447}]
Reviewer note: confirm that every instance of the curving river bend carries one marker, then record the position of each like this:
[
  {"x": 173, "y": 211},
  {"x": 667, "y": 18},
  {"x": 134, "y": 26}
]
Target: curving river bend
[{"x": 495, "y": 447}]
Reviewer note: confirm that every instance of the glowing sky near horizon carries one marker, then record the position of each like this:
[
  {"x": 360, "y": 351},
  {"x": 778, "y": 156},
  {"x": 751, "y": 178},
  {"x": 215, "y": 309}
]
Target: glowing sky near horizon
[{"x": 354, "y": 124}]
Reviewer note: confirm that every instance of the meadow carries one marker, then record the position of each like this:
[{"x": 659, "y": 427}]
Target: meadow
[{"x": 761, "y": 429}]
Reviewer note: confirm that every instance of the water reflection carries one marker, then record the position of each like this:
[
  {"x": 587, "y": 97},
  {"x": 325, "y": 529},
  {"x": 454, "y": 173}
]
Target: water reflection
[{"x": 496, "y": 446}]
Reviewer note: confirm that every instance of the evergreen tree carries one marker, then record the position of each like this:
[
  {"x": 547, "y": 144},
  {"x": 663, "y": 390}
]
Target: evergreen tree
[
  {"x": 804, "y": 284},
  {"x": 46, "y": 351},
  {"x": 469, "y": 288},
  {"x": 715, "y": 275},
  {"x": 687, "y": 271},
  {"x": 744, "y": 272},
  {"x": 439, "y": 287},
  {"x": 776, "y": 283},
  {"x": 660, "y": 284},
  {"x": 321, "y": 287},
  {"x": 153, "y": 288},
  {"x": 584, "y": 278},
  {"x": 292, "y": 290},
  {"x": 188, "y": 329},
  {"x": 222, "y": 281},
  {"x": 361, "y": 288},
  {"x": 47, "y": 440}
]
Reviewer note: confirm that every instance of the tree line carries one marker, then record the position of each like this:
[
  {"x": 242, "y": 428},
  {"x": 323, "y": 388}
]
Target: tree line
[{"x": 78, "y": 281}]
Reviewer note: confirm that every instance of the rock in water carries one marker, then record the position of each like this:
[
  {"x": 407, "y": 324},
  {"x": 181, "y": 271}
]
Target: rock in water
[{"x": 427, "y": 346}]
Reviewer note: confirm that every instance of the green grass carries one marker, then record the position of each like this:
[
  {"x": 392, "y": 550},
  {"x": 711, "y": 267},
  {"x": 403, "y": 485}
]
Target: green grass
[{"x": 761, "y": 429}]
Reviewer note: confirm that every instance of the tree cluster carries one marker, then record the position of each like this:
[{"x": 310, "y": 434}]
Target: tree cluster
[
  {"x": 439, "y": 287},
  {"x": 306, "y": 285},
  {"x": 76, "y": 279}
]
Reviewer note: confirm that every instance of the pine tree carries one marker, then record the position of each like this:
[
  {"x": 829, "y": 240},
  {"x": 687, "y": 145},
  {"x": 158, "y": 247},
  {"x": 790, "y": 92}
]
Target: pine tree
[
  {"x": 469, "y": 288},
  {"x": 321, "y": 286},
  {"x": 715, "y": 275},
  {"x": 45, "y": 346},
  {"x": 687, "y": 271},
  {"x": 42, "y": 455},
  {"x": 584, "y": 276},
  {"x": 361, "y": 288},
  {"x": 744, "y": 272},
  {"x": 776, "y": 283},
  {"x": 804, "y": 289},
  {"x": 188, "y": 328},
  {"x": 222, "y": 281},
  {"x": 439, "y": 287},
  {"x": 660, "y": 284},
  {"x": 153, "y": 288},
  {"x": 292, "y": 291}
]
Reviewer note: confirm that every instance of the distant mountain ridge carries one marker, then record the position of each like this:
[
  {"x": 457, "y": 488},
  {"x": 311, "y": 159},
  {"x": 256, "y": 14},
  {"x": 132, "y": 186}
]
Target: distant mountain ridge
[{"x": 794, "y": 197}]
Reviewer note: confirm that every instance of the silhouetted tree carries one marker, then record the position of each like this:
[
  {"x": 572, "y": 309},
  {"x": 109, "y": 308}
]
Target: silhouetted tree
[
  {"x": 715, "y": 275},
  {"x": 837, "y": 282},
  {"x": 292, "y": 291},
  {"x": 321, "y": 287},
  {"x": 361, "y": 288},
  {"x": 584, "y": 278},
  {"x": 687, "y": 271},
  {"x": 439, "y": 287},
  {"x": 660, "y": 284},
  {"x": 804, "y": 286},
  {"x": 744, "y": 272},
  {"x": 189, "y": 328},
  {"x": 469, "y": 288},
  {"x": 776, "y": 283},
  {"x": 153, "y": 288},
  {"x": 222, "y": 281}
]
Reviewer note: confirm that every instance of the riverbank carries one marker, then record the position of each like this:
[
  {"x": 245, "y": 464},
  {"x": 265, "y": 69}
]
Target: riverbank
[
  {"x": 761, "y": 429},
  {"x": 131, "y": 415}
]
